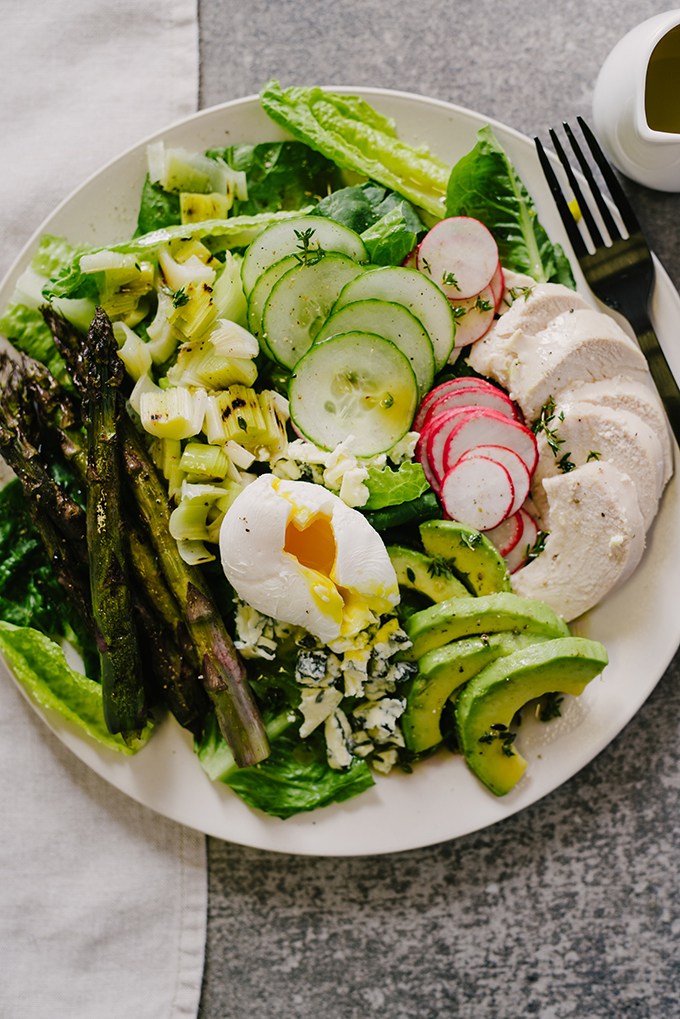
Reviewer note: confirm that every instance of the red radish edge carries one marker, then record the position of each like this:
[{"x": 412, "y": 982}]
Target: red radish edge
[
  {"x": 469, "y": 382},
  {"x": 465, "y": 249},
  {"x": 478, "y": 492},
  {"x": 513, "y": 463},
  {"x": 507, "y": 534},
  {"x": 483, "y": 426}
]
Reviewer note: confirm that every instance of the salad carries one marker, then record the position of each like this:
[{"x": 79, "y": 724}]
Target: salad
[{"x": 240, "y": 495}]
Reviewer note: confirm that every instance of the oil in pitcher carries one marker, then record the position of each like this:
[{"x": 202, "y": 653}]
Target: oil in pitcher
[{"x": 662, "y": 85}]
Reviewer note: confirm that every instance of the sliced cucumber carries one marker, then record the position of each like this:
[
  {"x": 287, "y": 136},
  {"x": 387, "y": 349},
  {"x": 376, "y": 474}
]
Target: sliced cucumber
[
  {"x": 257, "y": 298},
  {"x": 393, "y": 321},
  {"x": 303, "y": 236},
  {"x": 357, "y": 384},
  {"x": 420, "y": 295},
  {"x": 299, "y": 304}
]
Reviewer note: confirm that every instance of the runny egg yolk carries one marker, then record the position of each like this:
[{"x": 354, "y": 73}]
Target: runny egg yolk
[{"x": 312, "y": 543}]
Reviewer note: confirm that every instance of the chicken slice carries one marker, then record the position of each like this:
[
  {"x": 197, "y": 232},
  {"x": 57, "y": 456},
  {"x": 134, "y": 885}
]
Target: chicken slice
[{"x": 596, "y": 539}]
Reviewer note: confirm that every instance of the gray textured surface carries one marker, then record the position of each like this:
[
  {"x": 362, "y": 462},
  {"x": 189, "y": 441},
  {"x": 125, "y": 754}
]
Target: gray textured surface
[{"x": 569, "y": 909}]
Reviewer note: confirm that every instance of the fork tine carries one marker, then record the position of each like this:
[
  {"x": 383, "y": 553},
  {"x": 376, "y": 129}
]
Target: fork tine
[
  {"x": 583, "y": 205},
  {"x": 611, "y": 180},
  {"x": 568, "y": 221},
  {"x": 608, "y": 219}
]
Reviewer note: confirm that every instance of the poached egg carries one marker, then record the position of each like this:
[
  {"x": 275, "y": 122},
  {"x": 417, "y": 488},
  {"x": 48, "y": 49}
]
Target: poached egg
[{"x": 296, "y": 552}]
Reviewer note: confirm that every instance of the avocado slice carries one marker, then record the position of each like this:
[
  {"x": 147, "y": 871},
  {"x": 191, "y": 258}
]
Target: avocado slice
[
  {"x": 419, "y": 572},
  {"x": 467, "y": 617},
  {"x": 443, "y": 671},
  {"x": 470, "y": 554},
  {"x": 491, "y": 699}
]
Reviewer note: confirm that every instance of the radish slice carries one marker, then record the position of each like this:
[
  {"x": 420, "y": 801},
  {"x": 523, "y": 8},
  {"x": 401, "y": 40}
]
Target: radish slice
[
  {"x": 514, "y": 465},
  {"x": 474, "y": 317},
  {"x": 460, "y": 255},
  {"x": 477, "y": 492},
  {"x": 519, "y": 555},
  {"x": 473, "y": 396},
  {"x": 497, "y": 285},
  {"x": 483, "y": 426},
  {"x": 507, "y": 534},
  {"x": 435, "y": 437},
  {"x": 467, "y": 382}
]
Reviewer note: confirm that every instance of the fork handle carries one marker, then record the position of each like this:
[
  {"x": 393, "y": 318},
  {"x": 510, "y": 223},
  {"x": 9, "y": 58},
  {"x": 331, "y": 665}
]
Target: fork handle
[{"x": 661, "y": 373}]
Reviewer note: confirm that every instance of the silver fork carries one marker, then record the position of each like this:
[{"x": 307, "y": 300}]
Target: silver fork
[{"x": 618, "y": 268}]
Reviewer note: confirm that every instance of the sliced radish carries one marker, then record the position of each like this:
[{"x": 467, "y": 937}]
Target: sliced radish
[
  {"x": 467, "y": 382},
  {"x": 410, "y": 261},
  {"x": 497, "y": 285},
  {"x": 519, "y": 555},
  {"x": 473, "y": 396},
  {"x": 460, "y": 255},
  {"x": 474, "y": 317},
  {"x": 435, "y": 437},
  {"x": 483, "y": 426},
  {"x": 477, "y": 492},
  {"x": 514, "y": 465},
  {"x": 507, "y": 534}
]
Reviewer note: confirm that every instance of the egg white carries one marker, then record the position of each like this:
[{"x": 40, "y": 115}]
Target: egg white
[{"x": 296, "y": 552}]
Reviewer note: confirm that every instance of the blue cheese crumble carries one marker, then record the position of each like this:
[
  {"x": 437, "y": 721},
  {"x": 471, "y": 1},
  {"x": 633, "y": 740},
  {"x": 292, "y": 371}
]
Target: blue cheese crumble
[{"x": 352, "y": 696}]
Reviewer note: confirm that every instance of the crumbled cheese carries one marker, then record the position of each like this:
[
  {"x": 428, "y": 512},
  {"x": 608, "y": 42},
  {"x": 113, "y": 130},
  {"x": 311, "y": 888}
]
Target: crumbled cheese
[
  {"x": 339, "y": 743},
  {"x": 384, "y": 760},
  {"x": 316, "y": 706},
  {"x": 404, "y": 449},
  {"x": 379, "y": 718}
]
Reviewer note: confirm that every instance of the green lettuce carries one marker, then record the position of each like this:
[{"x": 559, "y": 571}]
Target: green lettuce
[
  {"x": 388, "y": 225},
  {"x": 218, "y": 234},
  {"x": 279, "y": 175},
  {"x": 41, "y": 668},
  {"x": 389, "y": 487},
  {"x": 292, "y": 780},
  {"x": 157, "y": 208},
  {"x": 349, "y": 131},
  {"x": 484, "y": 184}
]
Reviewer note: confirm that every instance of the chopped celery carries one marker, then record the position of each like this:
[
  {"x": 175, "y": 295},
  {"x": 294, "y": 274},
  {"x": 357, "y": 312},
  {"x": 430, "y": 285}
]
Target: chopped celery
[
  {"x": 203, "y": 460},
  {"x": 194, "y": 208},
  {"x": 133, "y": 351},
  {"x": 174, "y": 413},
  {"x": 178, "y": 169},
  {"x": 231, "y": 340},
  {"x": 235, "y": 414}
]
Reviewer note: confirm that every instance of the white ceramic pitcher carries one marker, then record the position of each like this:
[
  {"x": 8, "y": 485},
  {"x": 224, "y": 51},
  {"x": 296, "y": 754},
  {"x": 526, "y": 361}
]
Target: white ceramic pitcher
[{"x": 636, "y": 103}]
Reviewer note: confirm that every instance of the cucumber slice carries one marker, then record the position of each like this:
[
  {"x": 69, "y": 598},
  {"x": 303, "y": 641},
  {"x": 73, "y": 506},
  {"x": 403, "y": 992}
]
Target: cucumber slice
[
  {"x": 299, "y": 304},
  {"x": 393, "y": 321},
  {"x": 257, "y": 298},
  {"x": 420, "y": 295},
  {"x": 295, "y": 236},
  {"x": 354, "y": 384}
]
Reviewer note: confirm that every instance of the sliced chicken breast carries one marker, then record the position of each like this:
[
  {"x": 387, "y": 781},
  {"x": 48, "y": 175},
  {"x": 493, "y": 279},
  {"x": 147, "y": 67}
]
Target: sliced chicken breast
[
  {"x": 596, "y": 539},
  {"x": 637, "y": 397},
  {"x": 586, "y": 432}
]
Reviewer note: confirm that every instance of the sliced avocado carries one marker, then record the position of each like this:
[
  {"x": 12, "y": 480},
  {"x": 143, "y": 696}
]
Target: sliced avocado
[
  {"x": 472, "y": 557},
  {"x": 443, "y": 671},
  {"x": 491, "y": 699},
  {"x": 468, "y": 617},
  {"x": 419, "y": 572}
]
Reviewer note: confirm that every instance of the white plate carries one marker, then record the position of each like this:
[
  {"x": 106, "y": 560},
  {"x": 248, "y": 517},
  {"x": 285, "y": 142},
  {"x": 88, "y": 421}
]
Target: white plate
[{"x": 441, "y": 800}]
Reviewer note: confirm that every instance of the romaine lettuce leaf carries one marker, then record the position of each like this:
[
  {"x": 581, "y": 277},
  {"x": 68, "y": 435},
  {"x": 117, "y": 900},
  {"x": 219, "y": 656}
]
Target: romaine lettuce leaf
[
  {"x": 294, "y": 778},
  {"x": 217, "y": 234},
  {"x": 485, "y": 184},
  {"x": 356, "y": 137},
  {"x": 41, "y": 668},
  {"x": 388, "y": 487}
]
